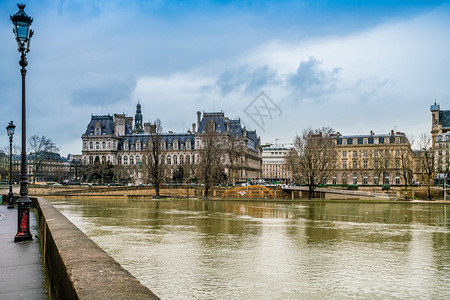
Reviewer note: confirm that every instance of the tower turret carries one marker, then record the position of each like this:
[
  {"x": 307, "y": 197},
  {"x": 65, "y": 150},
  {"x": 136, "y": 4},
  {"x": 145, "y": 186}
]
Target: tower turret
[{"x": 138, "y": 124}]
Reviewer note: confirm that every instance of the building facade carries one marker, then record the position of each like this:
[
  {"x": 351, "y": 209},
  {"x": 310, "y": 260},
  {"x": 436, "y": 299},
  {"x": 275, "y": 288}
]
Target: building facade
[
  {"x": 117, "y": 140},
  {"x": 440, "y": 132},
  {"x": 274, "y": 168},
  {"x": 374, "y": 159}
]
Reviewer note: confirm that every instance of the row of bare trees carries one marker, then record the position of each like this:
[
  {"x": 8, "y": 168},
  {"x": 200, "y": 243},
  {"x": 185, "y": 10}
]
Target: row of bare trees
[
  {"x": 313, "y": 160},
  {"x": 42, "y": 151},
  {"x": 210, "y": 167}
]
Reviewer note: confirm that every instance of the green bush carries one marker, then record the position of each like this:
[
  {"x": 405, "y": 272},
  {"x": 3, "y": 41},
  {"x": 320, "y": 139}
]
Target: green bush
[
  {"x": 352, "y": 187},
  {"x": 385, "y": 187}
]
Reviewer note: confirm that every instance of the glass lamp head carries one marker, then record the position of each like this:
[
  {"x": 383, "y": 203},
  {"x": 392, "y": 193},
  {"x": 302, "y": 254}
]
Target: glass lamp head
[
  {"x": 21, "y": 28},
  {"x": 10, "y": 128}
]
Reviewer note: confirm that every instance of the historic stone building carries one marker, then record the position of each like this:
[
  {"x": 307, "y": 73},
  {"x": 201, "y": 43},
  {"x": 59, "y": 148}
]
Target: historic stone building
[
  {"x": 440, "y": 131},
  {"x": 116, "y": 140},
  {"x": 373, "y": 159}
]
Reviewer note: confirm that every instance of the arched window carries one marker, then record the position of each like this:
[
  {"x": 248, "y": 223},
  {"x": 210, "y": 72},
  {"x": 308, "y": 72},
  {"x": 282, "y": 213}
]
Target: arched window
[
  {"x": 104, "y": 145},
  {"x": 119, "y": 160},
  {"x": 188, "y": 159},
  {"x": 97, "y": 145},
  {"x": 138, "y": 159},
  {"x": 397, "y": 178},
  {"x": 355, "y": 178},
  {"x": 91, "y": 160},
  {"x": 169, "y": 160},
  {"x": 131, "y": 160},
  {"x": 181, "y": 159},
  {"x": 188, "y": 144},
  {"x": 91, "y": 145},
  {"x": 386, "y": 178},
  {"x": 125, "y": 160},
  {"x": 344, "y": 179},
  {"x": 175, "y": 160},
  {"x": 365, "y": 179}
]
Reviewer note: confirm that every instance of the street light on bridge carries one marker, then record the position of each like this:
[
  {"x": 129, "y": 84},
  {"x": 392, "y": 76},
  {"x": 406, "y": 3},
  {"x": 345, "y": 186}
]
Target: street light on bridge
[
  {"x": 10, "y": 130},
  {"x": 22, "y": 22}
]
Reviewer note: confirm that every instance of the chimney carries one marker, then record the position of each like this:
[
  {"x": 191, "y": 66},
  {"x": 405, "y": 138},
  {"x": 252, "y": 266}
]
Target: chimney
[
  {"x": 147, "y": 128},
  {"x": 244, "y": 132},
  {"x": 371, "y": 132},
  {"x": 130, "y": 122},
  {"x": 392, "y": 132},
  {"x": 119, "y": 124},
  {"x": 199, "y": 116},
  {"x": 193, "y": 127},
  {"x": 152, "y": 128}
]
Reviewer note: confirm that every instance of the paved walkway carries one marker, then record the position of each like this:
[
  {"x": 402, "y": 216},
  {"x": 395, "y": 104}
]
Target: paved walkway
[{"x": 21, "y": 273}]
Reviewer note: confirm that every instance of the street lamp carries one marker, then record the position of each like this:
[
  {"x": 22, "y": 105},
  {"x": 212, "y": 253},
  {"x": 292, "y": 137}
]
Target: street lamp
[
  {"x": 10, "y": 130},
  {"x": 21, "y": 22}
]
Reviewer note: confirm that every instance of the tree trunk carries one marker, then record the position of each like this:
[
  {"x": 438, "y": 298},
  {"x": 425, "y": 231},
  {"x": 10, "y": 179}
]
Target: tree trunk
[{"x": 157, "y": 190}]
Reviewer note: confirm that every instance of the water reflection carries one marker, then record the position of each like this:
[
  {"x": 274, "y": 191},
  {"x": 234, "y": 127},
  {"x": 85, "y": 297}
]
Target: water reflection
[{"x": 249, "y": 250}]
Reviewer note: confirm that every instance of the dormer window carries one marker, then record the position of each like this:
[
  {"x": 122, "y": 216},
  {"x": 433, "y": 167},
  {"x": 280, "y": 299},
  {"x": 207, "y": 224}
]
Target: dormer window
[
  {"x": 355, "y": 141},
  {"x": 97, "y": 131}
]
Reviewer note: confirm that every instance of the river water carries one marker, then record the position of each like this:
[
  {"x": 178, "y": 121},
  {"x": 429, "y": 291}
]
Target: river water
[{"x": 249, "y": 250}]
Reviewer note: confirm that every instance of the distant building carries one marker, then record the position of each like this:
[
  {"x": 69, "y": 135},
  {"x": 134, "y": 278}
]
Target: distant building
[
  {"x": 441, "y": 154},
  {"x": 440, "y": 122},
  {"x": 116, "y": 140},
  {"x": 440, "y": 132},
  {"x": 274, "y": 167}
]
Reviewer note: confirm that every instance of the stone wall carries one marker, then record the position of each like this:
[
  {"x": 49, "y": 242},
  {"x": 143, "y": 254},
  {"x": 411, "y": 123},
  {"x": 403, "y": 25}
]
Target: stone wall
[{"x": 76, "y": 268}]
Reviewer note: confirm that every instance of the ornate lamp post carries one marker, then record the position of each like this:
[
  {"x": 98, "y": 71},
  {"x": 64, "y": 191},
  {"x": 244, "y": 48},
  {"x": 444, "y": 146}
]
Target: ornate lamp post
[
  {"x": 21, "y": 22},
  {"x": 10, "y": 130}
]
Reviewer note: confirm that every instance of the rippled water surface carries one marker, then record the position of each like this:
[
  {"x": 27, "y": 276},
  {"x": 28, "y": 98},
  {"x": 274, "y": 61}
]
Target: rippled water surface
[{"x": 247, "y": 250}]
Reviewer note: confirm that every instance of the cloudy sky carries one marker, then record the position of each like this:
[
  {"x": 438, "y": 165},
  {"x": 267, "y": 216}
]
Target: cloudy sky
[{"x": 280, "y": 66}]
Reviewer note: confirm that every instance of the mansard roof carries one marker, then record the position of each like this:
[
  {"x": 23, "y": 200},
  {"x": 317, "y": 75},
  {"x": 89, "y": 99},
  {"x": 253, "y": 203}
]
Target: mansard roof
[
  {"x": 217, "y": 117},
  {"x": 167, "y": 137},
  {"x": 444, "y": 118},
  {"x": 371, "y": 138},
  {"x": 106, "y": 123}
]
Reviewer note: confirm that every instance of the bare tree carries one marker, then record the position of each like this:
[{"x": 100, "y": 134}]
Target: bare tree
[
  {"x": 406, "y": 163},
  {"x": 41, "y": 148},
  {"x": 234, "y": 150},
  {"x": 210, "y": 167},
  {"x": 427, "y": 159},
  {"x": 311, "y": 159},
  {"x": 154, "y": 161}
]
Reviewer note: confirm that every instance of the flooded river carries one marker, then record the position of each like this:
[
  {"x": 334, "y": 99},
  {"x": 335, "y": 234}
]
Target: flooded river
[{"x": 248, "y": 250}]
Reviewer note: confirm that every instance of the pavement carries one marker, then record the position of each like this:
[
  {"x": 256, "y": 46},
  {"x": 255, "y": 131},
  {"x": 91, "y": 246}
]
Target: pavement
[{"x": 21, "y": 270}]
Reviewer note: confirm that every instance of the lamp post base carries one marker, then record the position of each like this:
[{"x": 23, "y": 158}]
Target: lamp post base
[{"x": 23, "y": 214}]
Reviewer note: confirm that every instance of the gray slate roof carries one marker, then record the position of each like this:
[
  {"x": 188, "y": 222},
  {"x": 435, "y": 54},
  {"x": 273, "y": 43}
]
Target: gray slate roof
[
  {"x": 370, "y": 138},
  {"x": 444, "y": 118},
  {"x": 106, "y": 122}
]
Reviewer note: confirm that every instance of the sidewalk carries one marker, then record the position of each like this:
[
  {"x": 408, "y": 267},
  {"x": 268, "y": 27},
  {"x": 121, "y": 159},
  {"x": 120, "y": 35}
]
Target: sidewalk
[{"x": 21, "y": 274}]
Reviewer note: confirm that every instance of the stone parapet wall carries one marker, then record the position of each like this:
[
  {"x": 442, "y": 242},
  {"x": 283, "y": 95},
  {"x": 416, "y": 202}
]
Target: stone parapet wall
[{"x": 76, "y": 268}]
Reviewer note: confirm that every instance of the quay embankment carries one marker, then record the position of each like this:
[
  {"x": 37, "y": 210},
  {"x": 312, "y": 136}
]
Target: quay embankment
[
  {"x": 76, "y": 267},
  {"x": 362, "y": 193}
]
